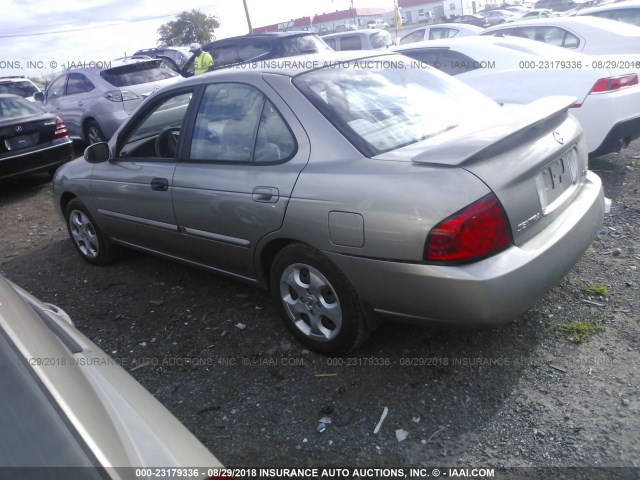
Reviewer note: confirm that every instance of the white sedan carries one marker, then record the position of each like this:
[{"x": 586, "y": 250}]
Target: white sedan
[
  {"x": 513, "y": 70},
  {"x": 591, "y": 35},
  {"x": 443, "y": 30}
]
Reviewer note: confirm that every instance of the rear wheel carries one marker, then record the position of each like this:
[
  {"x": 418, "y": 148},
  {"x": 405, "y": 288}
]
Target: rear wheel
[
  {"x": 316, "y": 301},
  {"x": 93, "y": 133},
  {"x": 87, "y": 237}
]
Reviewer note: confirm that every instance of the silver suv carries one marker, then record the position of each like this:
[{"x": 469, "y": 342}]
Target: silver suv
[{"x": 95, "y": 101}]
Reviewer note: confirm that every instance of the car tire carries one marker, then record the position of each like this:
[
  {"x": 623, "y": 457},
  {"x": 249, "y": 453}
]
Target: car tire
[
  {"x": 86, "y": 236},
  {"x": 316, "y": 301},
  {"x": 93, "y": 133}
]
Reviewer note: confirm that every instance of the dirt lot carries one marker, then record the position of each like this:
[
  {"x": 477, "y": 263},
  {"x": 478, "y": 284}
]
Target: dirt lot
[{"x": 213, "y": 351}]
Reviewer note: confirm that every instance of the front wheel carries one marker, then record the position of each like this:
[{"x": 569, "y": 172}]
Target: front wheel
[
  {"x": 316, "y": 301},
  {"x": 87, "y": 237}
]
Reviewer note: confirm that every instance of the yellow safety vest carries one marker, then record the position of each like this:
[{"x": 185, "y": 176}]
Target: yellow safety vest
[{"x": 202, "y": 63}]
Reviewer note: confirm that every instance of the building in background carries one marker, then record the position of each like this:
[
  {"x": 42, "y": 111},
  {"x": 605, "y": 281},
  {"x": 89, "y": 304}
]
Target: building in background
[{"x": 412, "y": 12}]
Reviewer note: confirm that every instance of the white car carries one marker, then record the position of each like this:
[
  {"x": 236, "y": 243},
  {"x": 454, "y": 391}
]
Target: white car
[
  {"x": 498, "y": 17},
  {"x": 533, "y": 15},
  {"x": 513, "y": 70},
  {"x": 594, "y": 36},
  {"x": 377, "y": 23},
  {"x": 19, "y": 86},
  {"x": 628, "y": 12},
  {"x": 434, "y": 32}
]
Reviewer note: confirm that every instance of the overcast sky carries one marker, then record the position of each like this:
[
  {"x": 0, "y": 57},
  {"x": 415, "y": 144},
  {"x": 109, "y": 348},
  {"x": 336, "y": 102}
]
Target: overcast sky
[{"x": 47, "y": 34}]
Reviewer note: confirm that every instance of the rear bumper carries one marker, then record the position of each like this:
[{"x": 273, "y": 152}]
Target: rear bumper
[
  {"x": 42, "y": 160},
  {"x": 625, "y": 131},
  {"x": 486, "y": 293}
]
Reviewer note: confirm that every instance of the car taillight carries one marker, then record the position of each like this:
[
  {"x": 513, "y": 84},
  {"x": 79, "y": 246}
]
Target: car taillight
[
  {"x": 120, "y": 95},
  {"x": 477, "y": 231},
  {"x": 615, "y": 83},
  {"x": 60, "y": 131}
]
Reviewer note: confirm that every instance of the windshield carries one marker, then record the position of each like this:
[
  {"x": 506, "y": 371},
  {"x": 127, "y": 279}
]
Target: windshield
[
  {"x": 380, "y": 104},
  {"x": 137, "y": 74}
]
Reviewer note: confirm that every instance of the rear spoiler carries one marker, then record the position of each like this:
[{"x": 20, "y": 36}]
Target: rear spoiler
[{"x": 464, "y": 145}]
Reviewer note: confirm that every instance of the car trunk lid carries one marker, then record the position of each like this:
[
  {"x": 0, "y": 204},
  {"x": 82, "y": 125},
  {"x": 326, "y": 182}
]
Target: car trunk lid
[
  {"x": 533, "y": 158},
  {"x": 17, "y": 134}
]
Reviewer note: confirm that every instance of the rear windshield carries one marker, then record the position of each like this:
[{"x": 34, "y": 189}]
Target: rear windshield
[
  {"x": 380, "y": 104},
  {"x": 24, "y": 89},
  {"x": 303, "y": 44},
  {"x": 137, "y": 74},
  {"x": 16, "y": 108}
]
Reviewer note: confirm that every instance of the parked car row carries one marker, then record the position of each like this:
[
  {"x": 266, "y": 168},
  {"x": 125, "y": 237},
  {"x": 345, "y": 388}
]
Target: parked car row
[
  {"x": 271, "y": 175},
  {"x": 93, "y": 103}
]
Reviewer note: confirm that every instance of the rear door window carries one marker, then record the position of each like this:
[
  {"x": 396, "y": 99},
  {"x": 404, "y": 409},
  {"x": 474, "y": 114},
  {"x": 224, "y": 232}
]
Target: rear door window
[
  {"x": 78, "y": 83},
  {"x": 253, "y": 49},
  {"x": 416, "y": 36},
  {"x": 436, "y": 33},
  {"x": 236, "y": 123},
  {"x": 556, "y": 36},
  {"x": 225, "y": 55}
]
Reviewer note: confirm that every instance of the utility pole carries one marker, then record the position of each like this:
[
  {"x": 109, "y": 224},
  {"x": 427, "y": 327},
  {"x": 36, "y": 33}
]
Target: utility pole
[
  {"x": 353, "y": 14},
  {"x": 246, "y": 12}
]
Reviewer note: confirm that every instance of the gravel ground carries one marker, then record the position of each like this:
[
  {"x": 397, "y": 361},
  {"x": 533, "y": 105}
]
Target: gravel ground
[{"x": 531, "y": 394}]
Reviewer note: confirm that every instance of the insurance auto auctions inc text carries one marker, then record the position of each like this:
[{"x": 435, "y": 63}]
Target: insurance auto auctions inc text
[{"x": 350, "y": 473}]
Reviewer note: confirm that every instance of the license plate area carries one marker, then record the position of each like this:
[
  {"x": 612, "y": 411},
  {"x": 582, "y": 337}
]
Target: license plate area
[
  {"x": 21, "y": 141},
  {"x": 558, "y": 180}
]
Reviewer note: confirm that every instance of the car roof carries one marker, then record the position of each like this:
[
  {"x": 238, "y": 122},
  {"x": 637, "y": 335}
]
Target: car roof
[
  {"x": 584, "y": 23},
  {"x": 288, "y": 66},
  {"x": 458, "y": 26},
  {"x": 152, "y": 49},
  {"x": 366, "y": 32},
  {"x": 287, "y": 34},
  {"x": 610, "y": 6},
  {"x": 14, "y": 79}
]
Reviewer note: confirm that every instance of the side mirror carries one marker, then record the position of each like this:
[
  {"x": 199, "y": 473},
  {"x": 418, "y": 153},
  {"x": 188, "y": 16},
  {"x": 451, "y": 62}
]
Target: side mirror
[
  {"x": 39, "y": 96},
  {"x": 97, "y": 153}
]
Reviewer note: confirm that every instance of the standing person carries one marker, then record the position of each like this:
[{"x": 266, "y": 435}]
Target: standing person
[{"x": 203, "y": 61}]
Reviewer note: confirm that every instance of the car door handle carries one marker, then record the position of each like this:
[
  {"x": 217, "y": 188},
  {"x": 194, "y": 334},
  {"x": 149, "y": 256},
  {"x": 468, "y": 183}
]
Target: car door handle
[
  {"x": 265, "y": 194},
  {"x": 160, "y": 184},
  {"x": 80, "y": 104}
]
